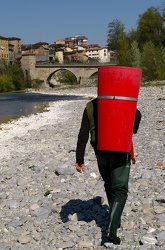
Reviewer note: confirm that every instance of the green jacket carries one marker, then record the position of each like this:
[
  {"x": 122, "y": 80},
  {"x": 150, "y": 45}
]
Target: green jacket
[{"x": 90, "y": 114}]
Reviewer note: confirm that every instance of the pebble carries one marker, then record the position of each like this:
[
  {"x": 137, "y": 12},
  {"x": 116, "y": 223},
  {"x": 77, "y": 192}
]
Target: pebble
[
  {"x": 46, "y": 204},
  {"x": 24, "y": 239}
]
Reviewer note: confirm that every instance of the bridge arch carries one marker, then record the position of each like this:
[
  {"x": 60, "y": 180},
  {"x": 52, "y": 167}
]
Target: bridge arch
[
  {"x": 48, "y": 80},
  {"x": 94, "y": 75}
]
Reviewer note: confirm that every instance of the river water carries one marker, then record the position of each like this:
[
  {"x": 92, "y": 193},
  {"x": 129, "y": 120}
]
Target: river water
[{"x": 17, "y": 104}]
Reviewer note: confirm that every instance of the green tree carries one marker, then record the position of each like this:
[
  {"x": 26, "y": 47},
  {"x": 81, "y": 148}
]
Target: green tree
[
  {"x": 123, "y": 50},
  {"x": 160, "y": 63},
  {"x": 142, "y": 47},
  {"x": 115, "y": 31},
  {"x": 150, "y": 61},
  {"x": 132, "y": 35},
  {"x": 118, "y": 41},
  {"x": 3, "y": 66},
  {"x": 135, "y": 55},
  {"x": 151, "y": 27}
]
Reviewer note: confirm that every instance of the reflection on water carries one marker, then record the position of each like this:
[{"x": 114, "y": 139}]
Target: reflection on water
[{"x": 15, "y": 105}]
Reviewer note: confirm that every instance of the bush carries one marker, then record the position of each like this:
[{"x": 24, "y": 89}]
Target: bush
[
  {"x": 36, "y": 83},
  {"x": 6, "y": 83},
  {"x": 17, "y": 77}
]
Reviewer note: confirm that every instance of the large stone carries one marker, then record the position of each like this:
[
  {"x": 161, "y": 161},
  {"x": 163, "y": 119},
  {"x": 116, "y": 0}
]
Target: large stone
[
  {"x": 24, "y": 239},
  {"x": 148, "y": 239},
  {"x": 86, "y": 244}
]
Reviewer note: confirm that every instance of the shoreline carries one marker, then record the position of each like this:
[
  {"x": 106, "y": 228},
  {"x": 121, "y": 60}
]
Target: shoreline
[
  {"x": 29, "y": 102},
  {"x": 53, "y": 113}
]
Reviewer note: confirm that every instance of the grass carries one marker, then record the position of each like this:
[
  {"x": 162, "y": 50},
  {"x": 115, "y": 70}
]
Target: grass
[{"x": 153, "y": 84}]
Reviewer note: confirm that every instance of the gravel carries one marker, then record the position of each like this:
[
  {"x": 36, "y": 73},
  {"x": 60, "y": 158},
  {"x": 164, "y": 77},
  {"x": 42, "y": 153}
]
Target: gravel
[{"x": 46, "y": 204}]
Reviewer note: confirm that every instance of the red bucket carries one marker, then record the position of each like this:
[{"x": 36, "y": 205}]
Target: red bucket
[{"x": 118, "y": 89}]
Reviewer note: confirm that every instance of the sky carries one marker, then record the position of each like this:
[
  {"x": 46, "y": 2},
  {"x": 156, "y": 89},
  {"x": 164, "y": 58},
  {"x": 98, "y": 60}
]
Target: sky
[{"x": 49, "y": 20}]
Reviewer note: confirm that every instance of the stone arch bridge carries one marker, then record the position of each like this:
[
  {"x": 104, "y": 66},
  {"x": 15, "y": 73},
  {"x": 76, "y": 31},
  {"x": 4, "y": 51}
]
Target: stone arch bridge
[{"x": 84, "y": 73}]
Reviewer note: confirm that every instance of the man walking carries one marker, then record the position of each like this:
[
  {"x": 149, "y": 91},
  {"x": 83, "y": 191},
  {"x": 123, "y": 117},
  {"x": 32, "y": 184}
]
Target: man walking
[{"x": 114, "y": 167}]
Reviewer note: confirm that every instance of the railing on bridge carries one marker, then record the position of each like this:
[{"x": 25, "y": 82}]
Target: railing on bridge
[{"x": 67, "y": 65}]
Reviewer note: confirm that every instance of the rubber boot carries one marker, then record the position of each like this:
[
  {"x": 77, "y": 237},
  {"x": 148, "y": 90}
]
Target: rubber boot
[
  {"x": 109, "y": 202},
  {"x": 115, "y": 212}
]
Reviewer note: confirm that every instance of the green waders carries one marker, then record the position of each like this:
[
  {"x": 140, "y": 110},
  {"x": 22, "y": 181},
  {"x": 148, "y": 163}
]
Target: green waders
[
  {"x": 115, "y": 174},
  {"x": 115, "y": 212}
]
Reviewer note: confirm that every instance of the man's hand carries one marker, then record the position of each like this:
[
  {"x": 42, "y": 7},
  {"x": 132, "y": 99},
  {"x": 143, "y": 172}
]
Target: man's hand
[
  {"x": 133, "y": 161},
  {"x": 80, "y": 167}
]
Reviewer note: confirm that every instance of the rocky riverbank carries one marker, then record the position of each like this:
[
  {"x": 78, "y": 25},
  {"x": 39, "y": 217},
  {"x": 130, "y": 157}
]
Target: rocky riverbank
[{"x": 46, "y": 205}]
